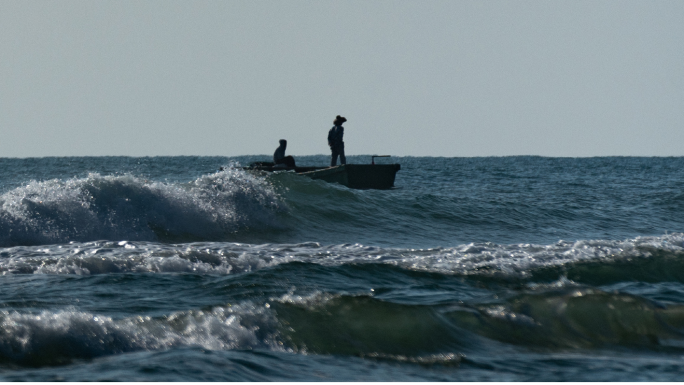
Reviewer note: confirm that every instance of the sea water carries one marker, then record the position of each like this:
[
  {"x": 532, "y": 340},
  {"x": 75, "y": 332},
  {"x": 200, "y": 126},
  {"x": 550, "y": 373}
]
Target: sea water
[{"x": 470, "y": 269}]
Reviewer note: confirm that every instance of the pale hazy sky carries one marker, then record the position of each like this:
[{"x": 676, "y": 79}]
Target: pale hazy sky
[{"x": 442, "y": 78}]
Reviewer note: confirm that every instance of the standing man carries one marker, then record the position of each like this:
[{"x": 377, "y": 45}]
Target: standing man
[{"x": 335, "y": 141}]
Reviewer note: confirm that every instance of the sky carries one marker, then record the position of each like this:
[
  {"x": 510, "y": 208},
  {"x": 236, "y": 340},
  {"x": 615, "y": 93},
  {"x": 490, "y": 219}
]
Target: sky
[{"x": 414, "y": 78}]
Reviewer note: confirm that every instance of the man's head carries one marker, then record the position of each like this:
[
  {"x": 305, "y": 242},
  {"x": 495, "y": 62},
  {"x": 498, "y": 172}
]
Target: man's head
[{"x": 339, "y": 120}]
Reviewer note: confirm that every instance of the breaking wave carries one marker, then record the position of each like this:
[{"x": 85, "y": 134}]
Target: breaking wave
[
  {"x": 353, "y": 325},
  {"x": 126, "y": 207},
  {"x": 58, "y": 337}
]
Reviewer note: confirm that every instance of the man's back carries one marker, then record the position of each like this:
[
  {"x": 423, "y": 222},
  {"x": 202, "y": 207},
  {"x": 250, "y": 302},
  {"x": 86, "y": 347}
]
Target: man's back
[
  {"x": 279, "y": 153},
  {"x": 335, "y": 135}
]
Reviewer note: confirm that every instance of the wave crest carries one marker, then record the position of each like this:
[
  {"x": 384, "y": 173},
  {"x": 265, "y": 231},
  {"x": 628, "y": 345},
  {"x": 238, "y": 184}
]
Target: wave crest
[
  {"x": 58, "y": 337},
  {"x": 117, "y": 207}
]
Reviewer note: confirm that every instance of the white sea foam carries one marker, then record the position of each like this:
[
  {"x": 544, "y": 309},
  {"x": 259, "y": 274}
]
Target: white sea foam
[
  {"x": 221, "y": 258},
  {"x": 521, "y": 258},
  {"x": 76, "y": 334},
  {"x": 132, "y": 208},
  {"x": 125, "y": 257}
]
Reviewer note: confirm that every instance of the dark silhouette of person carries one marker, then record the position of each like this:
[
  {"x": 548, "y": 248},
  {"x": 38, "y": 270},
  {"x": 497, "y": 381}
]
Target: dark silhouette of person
[
  {"x": 279, "y": 155},
  {"x": 335, "y": 141}
]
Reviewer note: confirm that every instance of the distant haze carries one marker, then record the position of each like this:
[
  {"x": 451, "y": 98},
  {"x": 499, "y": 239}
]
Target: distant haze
[{"x": 423, "y": 78}]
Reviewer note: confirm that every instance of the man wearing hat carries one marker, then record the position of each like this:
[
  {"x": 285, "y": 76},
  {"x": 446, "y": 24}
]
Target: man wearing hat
[{"x": 335, "y": 141}]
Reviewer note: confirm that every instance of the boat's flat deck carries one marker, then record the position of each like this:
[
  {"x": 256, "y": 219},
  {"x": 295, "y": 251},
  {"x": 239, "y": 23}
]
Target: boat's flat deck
[
  {"x": 269, "y": 167},
  {"x": 358, "y": 176}
]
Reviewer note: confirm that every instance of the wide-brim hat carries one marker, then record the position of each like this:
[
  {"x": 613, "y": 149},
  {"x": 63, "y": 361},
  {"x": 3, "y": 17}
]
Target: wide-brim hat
[{"x": 340, "y": 120}]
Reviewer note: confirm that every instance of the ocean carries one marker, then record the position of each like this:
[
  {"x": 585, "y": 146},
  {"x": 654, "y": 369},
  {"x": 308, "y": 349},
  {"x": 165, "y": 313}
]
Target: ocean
[{"x": 471, "y": 269}]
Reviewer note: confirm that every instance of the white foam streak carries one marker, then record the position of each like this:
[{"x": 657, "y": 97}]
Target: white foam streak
[
  {"x": 133, "y": 257},
  {"x": 521, "y": 258},
  {"x": 230, "y": 258}
]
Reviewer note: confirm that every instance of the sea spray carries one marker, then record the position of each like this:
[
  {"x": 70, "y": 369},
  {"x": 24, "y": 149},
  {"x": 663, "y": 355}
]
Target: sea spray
[
  {"x": 133, "y": 208},
  {"x": 49, "y": 338}
]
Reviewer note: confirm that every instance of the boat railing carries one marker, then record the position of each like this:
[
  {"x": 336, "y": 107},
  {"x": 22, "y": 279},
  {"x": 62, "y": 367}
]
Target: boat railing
[{"x": 378, "y": 156}]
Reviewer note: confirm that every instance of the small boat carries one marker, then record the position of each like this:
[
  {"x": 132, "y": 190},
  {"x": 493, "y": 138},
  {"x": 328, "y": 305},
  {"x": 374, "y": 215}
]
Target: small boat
[{"x": 357, "y": 176}]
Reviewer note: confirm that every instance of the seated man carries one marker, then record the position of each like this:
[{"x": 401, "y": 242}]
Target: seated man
[{"x": 279, "y": 155}]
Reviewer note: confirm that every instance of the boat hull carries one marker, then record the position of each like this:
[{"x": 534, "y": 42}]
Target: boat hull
[{"x": 358, "y": 176}]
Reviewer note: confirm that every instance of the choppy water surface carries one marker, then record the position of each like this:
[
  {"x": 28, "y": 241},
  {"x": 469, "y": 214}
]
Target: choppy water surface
[{"x": 471, "y": 269}]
